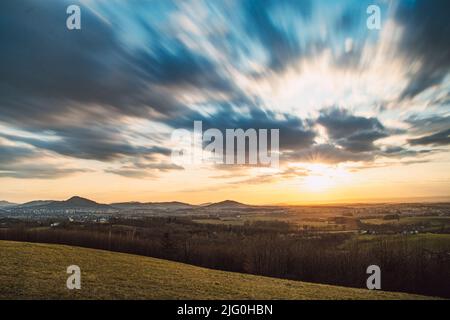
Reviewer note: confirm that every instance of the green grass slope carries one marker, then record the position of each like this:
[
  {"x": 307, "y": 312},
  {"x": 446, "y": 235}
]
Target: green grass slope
[{"x": 38, "y": 271}]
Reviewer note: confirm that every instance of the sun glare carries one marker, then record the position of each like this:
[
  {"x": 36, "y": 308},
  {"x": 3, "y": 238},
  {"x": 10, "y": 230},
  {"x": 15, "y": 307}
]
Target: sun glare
[
  {"x": 318, "y": 183},
  {"x": 322, "y": 177}
]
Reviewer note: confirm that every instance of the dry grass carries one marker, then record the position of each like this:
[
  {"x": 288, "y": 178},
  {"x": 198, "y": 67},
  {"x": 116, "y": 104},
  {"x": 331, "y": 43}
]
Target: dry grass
[{"x": 38, "y": 271}]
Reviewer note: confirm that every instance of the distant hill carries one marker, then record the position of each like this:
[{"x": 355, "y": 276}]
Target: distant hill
[
  {"x": 74, "y": 203},
  {"x": 6, "y": 204},
  {"x": 227, "y": 204},
  {"x": 79, "y": 203},
  {"x": 172, "y": 205},
  {"x": 34, "y": 203},
  {"x": 112, "y": 275}
]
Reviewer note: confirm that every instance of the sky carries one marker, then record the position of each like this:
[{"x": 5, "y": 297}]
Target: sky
[{"x": 363, "y": 114}]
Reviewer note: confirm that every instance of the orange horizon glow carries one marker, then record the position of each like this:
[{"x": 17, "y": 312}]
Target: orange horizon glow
[{"x": 323, "y": 184}]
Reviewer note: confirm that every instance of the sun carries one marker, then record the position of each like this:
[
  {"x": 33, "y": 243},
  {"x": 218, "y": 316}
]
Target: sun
[
  {"x": 318, "y": 183},
  {"x": 323, "y": 177}
]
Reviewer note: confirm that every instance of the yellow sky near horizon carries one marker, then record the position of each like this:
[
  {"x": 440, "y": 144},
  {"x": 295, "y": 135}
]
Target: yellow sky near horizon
[{"x": 421, "y": 181}]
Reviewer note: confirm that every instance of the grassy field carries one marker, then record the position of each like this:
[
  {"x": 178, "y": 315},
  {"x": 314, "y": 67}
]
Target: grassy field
[
  {"x": 430, "y": 241},
  {"x": 422, "y": 223},
  {"x": 38, "y": 271},
  {"x": 431, "y": 220}
]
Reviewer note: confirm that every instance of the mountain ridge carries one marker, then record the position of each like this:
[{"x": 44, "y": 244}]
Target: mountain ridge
[
  {"x": 74, "y": 202},
  {"x": 227, "y": 204},
  {"x": 81, "y": 202}
]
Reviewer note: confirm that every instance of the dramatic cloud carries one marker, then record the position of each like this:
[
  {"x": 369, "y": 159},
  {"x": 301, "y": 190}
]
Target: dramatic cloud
[
  {"x": 87, "y": 143},
  {"x": 428, "y": 125},
  {"x": 46, "y": 70},
  {"x": 139, "y": 169},
  {"x": 294, "y": 132},
  {"x": 424, "y": 42},
  {"x": 10, "y": 154},
  {"x": 434, "y": 130},
  {"x": 281, "y": 44},
  {"x": 400, "y": 152},
  {"x": 37, "y": 171},
  {"x": 26, "y": 163},
  {"x": 325, "y": 153},
  {"x": 352, "y": 133},
  {"x": 113, "y": 91},
  {"x": 440, "y": 138}
]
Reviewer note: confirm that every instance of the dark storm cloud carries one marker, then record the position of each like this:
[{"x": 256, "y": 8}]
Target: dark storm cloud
[
  {"x": 352, "y": 133},
  {"x": 177, "y": 66},
  {"x": 78, "y": 85},
  {"x": 351, "y": 138},
  {"x": 428, "y": 125},
  {"x": 11, "y": 154},
  {"x": 433, "y": 130},
  {"x": 331, "y": 154},
  {"x": 439, "y": 139},
  {"x": 361, "y": 141},
  {"x": 282, "y": 45},
  {"x": 425, "y": 40},
  {"x": 400, "y": 152},
  {"x": 294, "y": 133},
  {"x": 15, "y": 163},
  {"x": 95, "y": 144},
  {"x": 51, "y": 79},
  {"x": 42, "y": 60},
  {"x": 44, "y": 67}
]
